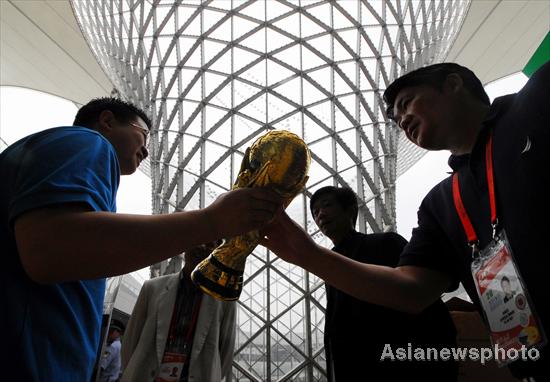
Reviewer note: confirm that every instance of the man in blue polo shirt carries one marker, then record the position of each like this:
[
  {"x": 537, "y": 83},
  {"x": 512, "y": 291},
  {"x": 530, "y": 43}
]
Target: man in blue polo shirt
[
  {"x": 60, "y": 236},
  {"x": 493, "y": 205}
]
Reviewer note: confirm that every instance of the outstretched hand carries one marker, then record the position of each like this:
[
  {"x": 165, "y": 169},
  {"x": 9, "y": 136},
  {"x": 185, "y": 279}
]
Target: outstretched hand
[
  {"x": 284, "y": 237},
  {"x": 243, "y": 210}
]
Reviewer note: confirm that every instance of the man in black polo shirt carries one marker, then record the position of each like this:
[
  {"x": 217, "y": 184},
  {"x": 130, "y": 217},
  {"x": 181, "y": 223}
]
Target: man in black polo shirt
[
  {"x": 444, "y": 107},
  {"x": 356, "y": 332}
]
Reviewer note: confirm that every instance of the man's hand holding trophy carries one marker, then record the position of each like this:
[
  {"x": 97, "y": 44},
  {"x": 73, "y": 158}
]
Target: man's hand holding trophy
[{"x": 278, "y": 160}]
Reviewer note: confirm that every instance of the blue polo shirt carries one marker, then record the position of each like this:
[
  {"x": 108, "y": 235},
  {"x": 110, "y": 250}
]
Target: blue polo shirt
[
  {"x": 51, "y": 332},
  {"x": 520, "y": 124}
]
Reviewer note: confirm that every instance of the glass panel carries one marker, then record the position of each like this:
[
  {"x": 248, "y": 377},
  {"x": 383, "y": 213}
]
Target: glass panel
[{"x": 165, "y": 60}]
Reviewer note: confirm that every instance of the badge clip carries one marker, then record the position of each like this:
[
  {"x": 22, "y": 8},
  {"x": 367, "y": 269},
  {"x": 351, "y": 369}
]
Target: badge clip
[
  {"x": 475, "y": 249},
  {"x": 494, "y": 225}
]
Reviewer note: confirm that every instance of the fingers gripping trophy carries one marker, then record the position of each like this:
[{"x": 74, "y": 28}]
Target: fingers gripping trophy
[{"x": 279, "y": 160}]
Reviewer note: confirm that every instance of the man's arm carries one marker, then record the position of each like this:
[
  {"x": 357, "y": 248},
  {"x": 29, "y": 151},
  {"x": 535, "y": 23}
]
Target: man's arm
[
  {"x": 70, "y": 242},
  {"x": 407, "y": 288}
]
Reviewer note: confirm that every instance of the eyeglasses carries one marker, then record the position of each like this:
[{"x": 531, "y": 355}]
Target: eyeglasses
[{"x": 145, "y": 131}]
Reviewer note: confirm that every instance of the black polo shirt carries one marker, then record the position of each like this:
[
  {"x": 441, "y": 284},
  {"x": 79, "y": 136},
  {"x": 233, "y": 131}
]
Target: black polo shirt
[
  {"x": 356, "y": 331},
  {"x": 521, "y": 156}
]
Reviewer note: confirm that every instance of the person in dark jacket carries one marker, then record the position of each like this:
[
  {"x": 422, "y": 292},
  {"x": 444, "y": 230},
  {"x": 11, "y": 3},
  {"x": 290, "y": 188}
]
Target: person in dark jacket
[
  {"x": 444, "y": 107},
  {"x": 352, "y": 324}
]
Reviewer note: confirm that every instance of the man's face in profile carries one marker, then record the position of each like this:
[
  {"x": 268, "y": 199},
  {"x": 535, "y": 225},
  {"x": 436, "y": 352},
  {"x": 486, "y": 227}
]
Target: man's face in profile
[
  {"x": 331, "y": 218},
  {"x": 427, "y": 114},
  {"x": 129, "y": 140},
  {"x": 113, "y": 334},
  {"x": 417, "y": 110}
]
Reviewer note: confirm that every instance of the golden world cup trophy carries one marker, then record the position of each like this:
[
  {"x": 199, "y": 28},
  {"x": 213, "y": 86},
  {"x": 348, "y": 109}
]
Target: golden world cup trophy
[{"x": 278, "y": 160}]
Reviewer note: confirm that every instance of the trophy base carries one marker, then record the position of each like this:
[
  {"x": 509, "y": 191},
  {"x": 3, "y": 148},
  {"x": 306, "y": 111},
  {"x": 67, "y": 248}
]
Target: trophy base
[{"x": 218, "y": 280}]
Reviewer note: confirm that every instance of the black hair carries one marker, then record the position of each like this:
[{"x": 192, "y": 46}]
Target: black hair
[
  {"x": 123, "y": 111},
  {"x": 344, "y": 196},
  {"x": 434, "y": 75},
  {"x": 504, "y": 278},
  {"x": 117, "y": 325}
]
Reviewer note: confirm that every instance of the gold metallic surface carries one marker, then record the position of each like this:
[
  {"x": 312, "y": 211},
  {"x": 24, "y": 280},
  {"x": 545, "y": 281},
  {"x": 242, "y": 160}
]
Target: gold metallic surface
[{"x": 278, "y": 160}]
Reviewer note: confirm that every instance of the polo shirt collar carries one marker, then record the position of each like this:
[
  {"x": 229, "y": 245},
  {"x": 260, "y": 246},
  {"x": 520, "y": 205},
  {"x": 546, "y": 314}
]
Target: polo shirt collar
[
  {"x": 345, "y": 242},
  {"x": 457, "y": 161},
  {"x": 497, "y": 106}
]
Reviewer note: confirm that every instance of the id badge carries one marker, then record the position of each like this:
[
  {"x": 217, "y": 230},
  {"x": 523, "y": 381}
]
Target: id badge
[
  {"x": 171, "y": 367},
  {"x": 506, "y": 303}
]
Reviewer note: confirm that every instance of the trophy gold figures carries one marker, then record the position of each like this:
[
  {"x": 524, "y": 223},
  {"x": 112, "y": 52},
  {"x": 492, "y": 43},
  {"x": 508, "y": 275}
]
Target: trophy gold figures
[{"x": 279, "y": 160}]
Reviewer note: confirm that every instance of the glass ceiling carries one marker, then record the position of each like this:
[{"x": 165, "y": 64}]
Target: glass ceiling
[{"x": 215, "y": 75}]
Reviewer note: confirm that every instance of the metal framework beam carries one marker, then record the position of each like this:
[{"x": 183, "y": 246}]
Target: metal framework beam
[{"x": 217, "y": 74}]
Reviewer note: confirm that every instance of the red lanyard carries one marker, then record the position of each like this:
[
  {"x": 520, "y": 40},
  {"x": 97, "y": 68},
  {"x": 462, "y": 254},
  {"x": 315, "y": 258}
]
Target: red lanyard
[{"x": 462, "y": 214}]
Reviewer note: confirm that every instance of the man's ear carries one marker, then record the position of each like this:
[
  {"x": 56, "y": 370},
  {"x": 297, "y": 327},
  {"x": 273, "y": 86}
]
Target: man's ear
[
  {"x": 106, "y": 121},
  {"x": 453, "y": 83},
  {"x": 350, "y": 211}
]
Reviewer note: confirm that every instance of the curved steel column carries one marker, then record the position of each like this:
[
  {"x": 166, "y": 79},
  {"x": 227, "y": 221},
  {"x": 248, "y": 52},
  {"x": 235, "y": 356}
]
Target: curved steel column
[{"x": 217, "y": 74}]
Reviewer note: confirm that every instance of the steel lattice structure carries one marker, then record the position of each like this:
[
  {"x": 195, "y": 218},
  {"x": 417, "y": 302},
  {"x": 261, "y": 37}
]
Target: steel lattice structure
[{"x": 217, "y": 74}]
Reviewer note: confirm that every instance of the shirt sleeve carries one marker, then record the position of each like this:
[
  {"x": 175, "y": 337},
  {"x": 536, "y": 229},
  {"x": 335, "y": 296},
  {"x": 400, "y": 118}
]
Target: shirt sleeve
[
  {"x": 536, "y": 93},
  {"x": 429, "y": 247},
  {"x": 392, "y": 247},
  {"x": 65, "y": 166},
  {"x": 110, "y": 362},
  {"x": 381, "y": 249}
]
